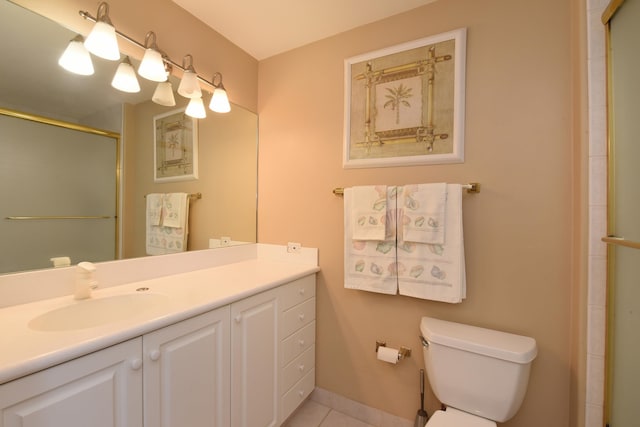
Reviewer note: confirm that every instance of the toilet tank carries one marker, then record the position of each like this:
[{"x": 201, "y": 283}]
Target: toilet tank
[{"x": 476, "y": 370}]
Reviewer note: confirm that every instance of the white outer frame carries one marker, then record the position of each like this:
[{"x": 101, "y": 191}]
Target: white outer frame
[{"x": 457, "y": 156}]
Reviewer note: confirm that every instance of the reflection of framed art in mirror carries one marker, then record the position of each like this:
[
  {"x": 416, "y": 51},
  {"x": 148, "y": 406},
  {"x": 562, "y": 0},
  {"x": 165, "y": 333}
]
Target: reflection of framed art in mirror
[
  {"x": 175, "y": 147},
  {"x": 404, "y": 105}
]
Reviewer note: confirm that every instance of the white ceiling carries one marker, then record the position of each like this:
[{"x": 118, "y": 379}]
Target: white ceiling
[{"x": 265, "y": 28}]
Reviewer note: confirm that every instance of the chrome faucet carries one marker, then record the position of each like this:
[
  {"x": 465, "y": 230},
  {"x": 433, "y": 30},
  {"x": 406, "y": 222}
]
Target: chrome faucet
[{"x": 85, "y": 281}]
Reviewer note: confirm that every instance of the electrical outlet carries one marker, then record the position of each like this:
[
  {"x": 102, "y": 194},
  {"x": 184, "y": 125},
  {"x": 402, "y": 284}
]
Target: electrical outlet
[
  {"x": 225, "y": 241},
  {"x": 294, "y": 248}
]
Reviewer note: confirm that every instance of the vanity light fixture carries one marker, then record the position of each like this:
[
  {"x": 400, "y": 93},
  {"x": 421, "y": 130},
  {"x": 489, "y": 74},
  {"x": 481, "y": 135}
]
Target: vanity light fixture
[
  {"x": 189, "y": 86},
  {"x": 125, "y": 78},
  {"x": 196, "y": 109},
  {"x": 219, "y": 101},
  {"x": 76, "y": 58},
  {"x": 152, "y": 65},
  {"x": 157, "y": 66},
  {"x": 102, "y": 40}
]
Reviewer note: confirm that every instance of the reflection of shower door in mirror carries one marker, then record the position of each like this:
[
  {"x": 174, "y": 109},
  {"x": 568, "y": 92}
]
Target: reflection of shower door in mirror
[
  {"x": 58, "y": 192},
  {"x": 623, "y": 330}
]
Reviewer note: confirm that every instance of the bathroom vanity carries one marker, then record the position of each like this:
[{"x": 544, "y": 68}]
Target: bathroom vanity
[{"x": 225, "y": 345}]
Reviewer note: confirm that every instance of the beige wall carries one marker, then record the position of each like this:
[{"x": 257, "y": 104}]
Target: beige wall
[{"x": 519, "y": 231}]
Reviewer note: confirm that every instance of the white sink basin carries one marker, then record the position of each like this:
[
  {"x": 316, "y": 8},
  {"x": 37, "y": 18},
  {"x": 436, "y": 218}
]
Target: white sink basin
[{"x": 94, "y": 312}]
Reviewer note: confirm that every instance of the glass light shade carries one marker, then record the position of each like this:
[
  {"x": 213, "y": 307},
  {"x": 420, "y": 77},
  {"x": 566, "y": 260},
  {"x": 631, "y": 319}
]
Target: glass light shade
[
  {"x": 102, "y": 41},
  {"x": 163, "y": 95},
  {"x": 189, "y": 87},
  {"x": 219, "y": 101},
  {"x": 125, "y": 78},
  {"x": 76, "y": 58},
  {"x": 152, "y": 66},
  {"x": 196, "y": 109}
]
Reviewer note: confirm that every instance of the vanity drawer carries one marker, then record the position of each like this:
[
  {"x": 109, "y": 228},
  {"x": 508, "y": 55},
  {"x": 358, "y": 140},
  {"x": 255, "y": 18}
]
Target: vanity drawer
[
  {"x": 297, "y": 291},
  {"x": 297, "y": 343},
  {"x": 297, "y": 317},
  {"x": 294, "y": 371},
  {"x": 294, "y": 397}
]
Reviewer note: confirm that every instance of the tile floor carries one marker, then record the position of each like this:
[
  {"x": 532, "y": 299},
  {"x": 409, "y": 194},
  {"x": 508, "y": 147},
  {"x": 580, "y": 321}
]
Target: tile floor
[
  {"x": 313, "y": 414},
  {"x": 326, "y": 409}
]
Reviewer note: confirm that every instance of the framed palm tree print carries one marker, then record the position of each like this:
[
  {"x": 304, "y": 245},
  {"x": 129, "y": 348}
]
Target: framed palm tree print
[
  {"x": 404, "y": 105},
  {"x": 175, "y": 147}
]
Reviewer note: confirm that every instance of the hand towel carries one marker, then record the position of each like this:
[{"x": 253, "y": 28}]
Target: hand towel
[
  {"x": 162, "y": 239},
  {"x": 370, "y": 265},
  {"x": 154, "y": 208},
  {"x": 424, "y": 213},
  {"x": 174, "y": 210},
  {"x": 368, "y": 212},
  {"x": 436, "y": 271}
]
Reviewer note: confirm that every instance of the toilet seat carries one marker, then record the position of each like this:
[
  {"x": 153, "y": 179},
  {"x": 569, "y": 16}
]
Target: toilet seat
[{"x": 455, "y": 418}]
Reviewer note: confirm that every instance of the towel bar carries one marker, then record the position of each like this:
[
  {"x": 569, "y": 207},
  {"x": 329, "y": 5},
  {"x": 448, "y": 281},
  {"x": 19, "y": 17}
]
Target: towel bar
[
  {"x": 197, "y": 195},
  {"x": 472, "y": 187}
]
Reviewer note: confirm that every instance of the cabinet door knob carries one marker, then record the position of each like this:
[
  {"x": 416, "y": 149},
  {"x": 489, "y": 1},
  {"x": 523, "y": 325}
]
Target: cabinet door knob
[
  {"x": 301, "y": 317},
  {"x": 238, "y": 318},
  {"x": 154, "y": 355},
  {"x": 136, "y": 364}
]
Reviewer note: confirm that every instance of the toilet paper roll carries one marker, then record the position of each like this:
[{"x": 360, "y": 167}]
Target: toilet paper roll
[{"x": 389, "y": 355}]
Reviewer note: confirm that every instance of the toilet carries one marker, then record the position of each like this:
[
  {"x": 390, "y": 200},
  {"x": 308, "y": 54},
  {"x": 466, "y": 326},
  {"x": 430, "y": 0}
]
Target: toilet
[{"x": 480, "y": 375}]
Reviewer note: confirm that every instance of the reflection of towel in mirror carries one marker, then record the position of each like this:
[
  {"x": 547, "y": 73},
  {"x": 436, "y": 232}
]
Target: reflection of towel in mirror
[
  {"x": 436, "y": 271},
  {"x": 174, "y": 210},
  {"x": 154, "y": 208},
  {"x": 170, "y": 236},
  {"x": 369, "y": 265}
]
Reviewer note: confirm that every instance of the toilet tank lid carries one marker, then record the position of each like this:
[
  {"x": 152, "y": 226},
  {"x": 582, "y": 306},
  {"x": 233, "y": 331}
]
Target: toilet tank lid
[{"x": 501, "y": 345}]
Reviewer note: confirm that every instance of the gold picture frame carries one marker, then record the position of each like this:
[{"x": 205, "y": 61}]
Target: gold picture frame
[
  {"x": 404, "y": 105},
  {"x": 175, "y": 147}
]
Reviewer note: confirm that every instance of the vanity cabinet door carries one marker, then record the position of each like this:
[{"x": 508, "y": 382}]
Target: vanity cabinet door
[
  {"x": 186, "y": 375},
  {"x": 102, "y": 389},
  {"x": 254, "y": 361}
]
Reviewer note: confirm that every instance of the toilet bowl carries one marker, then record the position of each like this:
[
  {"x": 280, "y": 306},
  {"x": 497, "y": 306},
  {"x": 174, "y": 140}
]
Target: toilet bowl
[{"x": 479, "y": 374}]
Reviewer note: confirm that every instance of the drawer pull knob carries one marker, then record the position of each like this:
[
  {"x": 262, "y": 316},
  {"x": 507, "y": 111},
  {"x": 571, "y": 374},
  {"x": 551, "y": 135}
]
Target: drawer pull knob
[
  {"x": 136, "y": 364},
  {"x": 301, "y": 317},
  {"x": 301, "y": 342},
  {"x": 301, "y": 291},
  {"x": 238, "y": 318},
  {"x": 154, "y": 355},
  {"x": 301, "y": 368},
  {"x": 300, "y": 393}
]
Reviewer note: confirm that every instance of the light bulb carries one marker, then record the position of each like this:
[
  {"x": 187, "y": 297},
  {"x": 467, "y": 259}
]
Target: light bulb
[
  {"x": 196, "y": 109},
  {"x": 125, "y": 78},
  {"x": 76, "y": 58}
]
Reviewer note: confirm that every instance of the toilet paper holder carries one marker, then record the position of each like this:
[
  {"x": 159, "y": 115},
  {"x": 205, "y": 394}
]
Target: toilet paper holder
[{"x": 403, "y": 352}]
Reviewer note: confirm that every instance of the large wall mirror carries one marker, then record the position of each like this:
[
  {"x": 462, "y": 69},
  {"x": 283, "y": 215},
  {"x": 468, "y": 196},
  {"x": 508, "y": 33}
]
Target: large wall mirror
[{"x": 32, "y": 83}]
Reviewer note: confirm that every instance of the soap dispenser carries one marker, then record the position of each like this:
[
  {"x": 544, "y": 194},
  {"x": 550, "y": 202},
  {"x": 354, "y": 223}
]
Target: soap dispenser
[{"x": 85, "y": 280}]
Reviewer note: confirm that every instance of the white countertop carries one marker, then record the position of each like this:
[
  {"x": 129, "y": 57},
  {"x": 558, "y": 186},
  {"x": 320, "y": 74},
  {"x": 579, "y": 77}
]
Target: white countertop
[{"x": 24, "y": 350}]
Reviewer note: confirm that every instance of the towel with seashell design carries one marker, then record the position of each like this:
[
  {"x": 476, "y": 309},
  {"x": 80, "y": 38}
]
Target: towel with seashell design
[
  {"x": 434, "y": 271},
  {"x": 422, "y": 252},
  {"x": 370, "y": 256}
]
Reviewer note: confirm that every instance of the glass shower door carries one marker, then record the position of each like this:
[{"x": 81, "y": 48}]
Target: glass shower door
[{"x": 623, "y": 329}]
